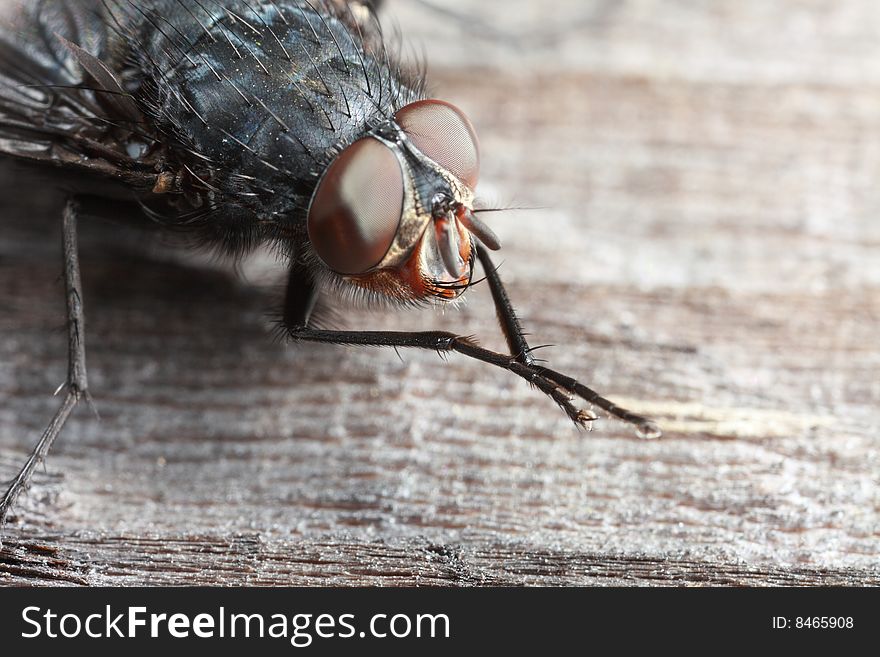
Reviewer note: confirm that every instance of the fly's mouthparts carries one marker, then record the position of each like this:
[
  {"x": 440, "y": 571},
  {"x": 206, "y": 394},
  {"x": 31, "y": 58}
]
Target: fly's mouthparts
[{"x": 447, "y": 244}]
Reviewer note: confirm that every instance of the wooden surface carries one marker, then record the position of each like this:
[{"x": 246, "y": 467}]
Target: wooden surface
[{"x": 708, "y": 251}]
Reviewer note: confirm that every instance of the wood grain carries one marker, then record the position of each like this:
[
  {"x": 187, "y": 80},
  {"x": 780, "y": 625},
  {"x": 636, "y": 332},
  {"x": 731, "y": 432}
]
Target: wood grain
[{"x": 705, "y": 249}]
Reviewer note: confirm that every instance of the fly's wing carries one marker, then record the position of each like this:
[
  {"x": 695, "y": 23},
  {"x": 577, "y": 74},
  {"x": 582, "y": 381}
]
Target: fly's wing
[{"x": 60, "y": 102}]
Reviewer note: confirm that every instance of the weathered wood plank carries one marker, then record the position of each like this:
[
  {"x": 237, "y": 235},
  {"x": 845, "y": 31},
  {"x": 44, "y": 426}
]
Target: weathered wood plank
[
  {"x": 250, "y": 560},
  {"x": 706, "y": 251}
]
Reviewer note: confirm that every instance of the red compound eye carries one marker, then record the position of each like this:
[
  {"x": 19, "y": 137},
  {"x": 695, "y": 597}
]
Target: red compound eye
[
  {"x": 356, "y": 208},
  {"x": 442, "y": 132}
]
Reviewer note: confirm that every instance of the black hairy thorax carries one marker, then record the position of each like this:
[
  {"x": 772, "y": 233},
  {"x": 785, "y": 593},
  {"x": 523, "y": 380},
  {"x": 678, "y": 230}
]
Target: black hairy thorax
[
  {"x": 249, "y": 107},
  {"x": 221, "y": 114}
]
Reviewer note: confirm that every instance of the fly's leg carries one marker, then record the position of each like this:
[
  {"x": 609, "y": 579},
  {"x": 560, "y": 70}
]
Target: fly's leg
[
  {"x": 300, "y": 300},
  {"x": 516, "y": 338},
  {"x": 507, "y": 317},
  {"x": 519, "y": 348},
  {"x": 76, "y": 385},
  {"x": 300, "y": 297},
  {"x": 442, "y": 341}
]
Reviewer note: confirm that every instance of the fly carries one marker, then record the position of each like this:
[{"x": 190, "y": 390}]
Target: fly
[{"x": 249, "y": 122}]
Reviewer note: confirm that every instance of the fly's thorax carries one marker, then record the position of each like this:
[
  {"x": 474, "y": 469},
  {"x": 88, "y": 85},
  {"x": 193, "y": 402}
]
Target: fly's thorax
[
  {"x": 250, "y": 101},
  {"x": 397, "y": 205}
]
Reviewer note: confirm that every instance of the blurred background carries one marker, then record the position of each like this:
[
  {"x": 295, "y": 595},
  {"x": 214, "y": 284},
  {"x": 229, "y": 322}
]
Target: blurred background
[{"x": 702, "y": 247}]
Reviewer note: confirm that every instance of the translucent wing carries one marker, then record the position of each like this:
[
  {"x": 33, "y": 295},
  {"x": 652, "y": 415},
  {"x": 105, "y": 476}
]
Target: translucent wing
[{"x": 59, "y": 99}]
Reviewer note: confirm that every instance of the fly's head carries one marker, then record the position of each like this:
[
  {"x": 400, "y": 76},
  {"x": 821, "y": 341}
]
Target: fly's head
[{"x": 394, "y": 211}]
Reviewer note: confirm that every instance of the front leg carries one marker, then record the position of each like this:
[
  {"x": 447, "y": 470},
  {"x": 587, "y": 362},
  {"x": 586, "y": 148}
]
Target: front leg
[
  {"x": 443, "y": 342},
  {"x": 507, "y": 317},
  {"x": 519, "y": 348},
  {"x": 300, "y": 300},
  {"x": 76, "y": 383}
]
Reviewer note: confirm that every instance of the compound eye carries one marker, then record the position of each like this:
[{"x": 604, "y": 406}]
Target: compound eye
[
  {"x": 442, "y": 132},
  {"x": 356, "y": 208}
]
